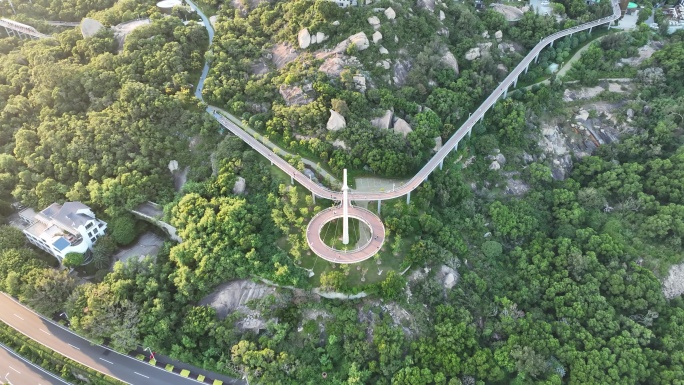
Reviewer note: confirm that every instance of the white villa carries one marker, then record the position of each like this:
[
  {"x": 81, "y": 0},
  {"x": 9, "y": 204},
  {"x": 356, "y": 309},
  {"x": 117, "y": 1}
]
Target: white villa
[{"x": 62, "y": 229}]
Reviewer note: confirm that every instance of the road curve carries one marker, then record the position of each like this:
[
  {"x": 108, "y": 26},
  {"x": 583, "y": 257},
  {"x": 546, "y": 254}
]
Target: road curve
[
  {"x": 439, "y": 157},
  {"x": 369, "y": 249},
  {"x": 77, "y": 348}
]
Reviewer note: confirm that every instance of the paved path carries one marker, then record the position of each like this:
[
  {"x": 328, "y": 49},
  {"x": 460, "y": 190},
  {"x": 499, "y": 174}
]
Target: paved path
[
  {"x": 77, "y": 348},
  {"x": 365, "y": 251},
  {"x": 16, "y": 370}
]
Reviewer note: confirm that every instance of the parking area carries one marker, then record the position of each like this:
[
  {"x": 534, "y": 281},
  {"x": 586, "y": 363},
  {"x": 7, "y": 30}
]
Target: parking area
[{"x": 147, "y": 244}]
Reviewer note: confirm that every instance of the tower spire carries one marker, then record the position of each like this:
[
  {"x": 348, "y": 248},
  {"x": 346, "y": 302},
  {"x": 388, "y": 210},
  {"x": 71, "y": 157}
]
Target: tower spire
[{"x": 345, "y": 209}]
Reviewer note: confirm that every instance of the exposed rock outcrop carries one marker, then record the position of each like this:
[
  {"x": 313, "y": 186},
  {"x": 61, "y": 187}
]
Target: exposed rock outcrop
[
  {"x": 473, "y": 53},
  {"x": 360, "y": 40},
  {"x": 336, "y": 121},
  {"x": 304, "y": 38},
  {"x": 450, "y": 60},
  {"x": 438, "y": 144},
  {"x": 401, "y": 127},
  {"x": 384, "y": 121},
  {"x": 442, "y": 16},
  {"x": 390, "y": 14},
  {"x": 374, "y": 21},
  {"x": 360, "y": 82},
  {"x": 294, "y": 95},
  {"x": 377, "y": 36},
  {"x": 239, "y": 186},
  {"x": 383, "y": 51},
  {"x": 498, "y": 35}
]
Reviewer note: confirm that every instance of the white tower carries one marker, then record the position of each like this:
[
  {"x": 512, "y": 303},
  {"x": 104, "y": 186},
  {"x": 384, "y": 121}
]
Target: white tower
[{"x": 345, "y": 209}]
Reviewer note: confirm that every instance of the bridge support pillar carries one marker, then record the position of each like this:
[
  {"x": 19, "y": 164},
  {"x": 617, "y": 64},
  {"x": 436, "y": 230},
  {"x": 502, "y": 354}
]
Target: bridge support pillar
[
  {"x": 515, "y": 82},
  {"x": 314, "y": 197},
  {"x": 590, "y": 28},
  {"x": 292, "y": 179},
  {"x": 408, "y": 198},
  {"x": 379, "y": 201},
  {"x": 455, "y": 147},
  {"x": 505, "y": 93},
  {"x": 441, "y": 164},
  {"x": 536, "y": 58},
  {"x": 526, "y": 68}
]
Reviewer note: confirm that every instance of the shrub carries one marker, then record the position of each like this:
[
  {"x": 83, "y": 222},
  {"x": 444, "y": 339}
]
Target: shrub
[
  {"x": 73, "y": 260},
  {"x": 123, "y": 229},
  {"x": 492, "y": 249}
]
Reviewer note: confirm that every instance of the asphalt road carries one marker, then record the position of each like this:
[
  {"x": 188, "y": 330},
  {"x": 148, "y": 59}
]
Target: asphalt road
[
  {"x": 16, "y": 370},
  {"x": 68, "y": 344},
  {"x": 439, "y": 157}
]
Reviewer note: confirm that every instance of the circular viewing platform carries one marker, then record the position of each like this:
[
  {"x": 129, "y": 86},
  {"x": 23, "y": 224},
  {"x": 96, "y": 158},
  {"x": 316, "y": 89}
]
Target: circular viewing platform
[{"x": 360, "y": 252}]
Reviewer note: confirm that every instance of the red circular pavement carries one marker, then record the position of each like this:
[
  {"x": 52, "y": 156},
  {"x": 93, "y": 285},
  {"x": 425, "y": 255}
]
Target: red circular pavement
[{"x": 369, "y": 249}]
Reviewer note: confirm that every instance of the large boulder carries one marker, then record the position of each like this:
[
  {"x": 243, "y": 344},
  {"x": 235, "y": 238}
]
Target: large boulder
[
  {"x": 321, "y": 37},
  {"x": 377, "y": 36},
  {"x": 304, "y": 38},
  {"x": 360, "y": 82},
  {"x": 336, "y": 121},
  {"x": 384, "y": 121},
  {"x": 360, "y": 40},
  {"x": 442, "y": 16},
  {"x": 498, "y": 35},
  {"x": 389, "y": 12},
  {"x": 383, "y": 51},
  {"x": 401, "y": 127},
  {"x": 450, "y": 60},
  {"x": 239, "y": 187},
  {"x": 473, "y": 53},
  {"x": 374, "y": 21},
  {"x": 438, "y": 144}
]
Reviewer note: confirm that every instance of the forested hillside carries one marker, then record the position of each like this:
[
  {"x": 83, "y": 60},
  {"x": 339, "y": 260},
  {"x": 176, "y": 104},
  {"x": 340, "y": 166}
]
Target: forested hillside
[
  {"x": 82, "y": 119},
  {"x": 421, "y": 62},
  {"x": 557, "y": 283}
]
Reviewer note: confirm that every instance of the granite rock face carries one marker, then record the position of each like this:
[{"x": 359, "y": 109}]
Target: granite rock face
[
  {"x": 390, "y": 14},
  {"x": 360, "y": 40},
  {"x": 304, "y": 38},
  {"x": 401, "y": 127},
  {"x": 336, "y": 121}
]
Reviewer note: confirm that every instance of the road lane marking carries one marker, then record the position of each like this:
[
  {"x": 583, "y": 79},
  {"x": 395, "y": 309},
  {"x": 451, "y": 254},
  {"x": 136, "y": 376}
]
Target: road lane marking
[
  {"x": 109, "y": 362},
  {"x": 73, "y": 347},
  {"x": 44, "y": 331},
  {"x": 18, "y": 317},
  {"x": 15, "y": 370},
  {"x": 141, "y": 374}
]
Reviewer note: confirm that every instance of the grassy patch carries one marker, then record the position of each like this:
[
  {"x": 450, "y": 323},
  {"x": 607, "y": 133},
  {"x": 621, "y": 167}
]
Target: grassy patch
[{"x": 331, "y": 233}]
